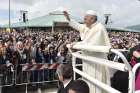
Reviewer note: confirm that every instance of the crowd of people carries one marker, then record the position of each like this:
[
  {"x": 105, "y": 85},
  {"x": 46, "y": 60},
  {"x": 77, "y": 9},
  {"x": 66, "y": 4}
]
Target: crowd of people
[
  {"x": 46, "y": 46},
  {"x": 31, "y": 47},
  {"x": 35, "y": 47},
  {"x": 124, "y": 40}
]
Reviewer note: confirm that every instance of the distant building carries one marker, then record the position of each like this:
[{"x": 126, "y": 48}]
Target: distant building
[
  {"x": 57, "y": 21},
  {"x": 51, "y": 21},
  {"x": 135, "y": 27}
]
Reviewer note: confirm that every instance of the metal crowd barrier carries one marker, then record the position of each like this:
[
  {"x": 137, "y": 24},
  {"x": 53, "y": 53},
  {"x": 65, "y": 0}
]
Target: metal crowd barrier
[
  {"x": 94, "y": 60},
  {"x": 6, "y": 75},
  {"x": 27, "y": 74}
]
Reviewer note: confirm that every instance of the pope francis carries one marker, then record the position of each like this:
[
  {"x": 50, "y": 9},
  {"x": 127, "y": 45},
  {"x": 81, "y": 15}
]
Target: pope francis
[{"x": 93, "y": 33}]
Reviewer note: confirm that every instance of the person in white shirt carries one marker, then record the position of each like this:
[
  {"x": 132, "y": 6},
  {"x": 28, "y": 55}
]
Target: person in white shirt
[{"x": 92, "y": 33}]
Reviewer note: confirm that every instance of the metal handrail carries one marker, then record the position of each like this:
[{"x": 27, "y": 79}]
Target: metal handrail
[
  {"x": 135, "y": 68},
  {"x": 111, "y": 64},
  {"x": 138, "y": 91},
  {"x": 105, "y": 49},
  {"x": 129, "y": 68},
  {"x": 96, "y": 82},
  {"x": 88, "y": 47}
]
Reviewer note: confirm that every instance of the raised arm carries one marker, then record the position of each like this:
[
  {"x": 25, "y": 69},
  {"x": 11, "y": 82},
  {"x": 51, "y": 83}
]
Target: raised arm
[{"x": 72, "y": 23}]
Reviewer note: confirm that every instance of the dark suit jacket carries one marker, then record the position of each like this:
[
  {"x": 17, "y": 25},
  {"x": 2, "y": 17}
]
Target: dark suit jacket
[{"x": 61, "y": 88}]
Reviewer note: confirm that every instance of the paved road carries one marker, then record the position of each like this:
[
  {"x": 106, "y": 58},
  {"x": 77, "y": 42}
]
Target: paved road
[{"x": 48, "y": 88}]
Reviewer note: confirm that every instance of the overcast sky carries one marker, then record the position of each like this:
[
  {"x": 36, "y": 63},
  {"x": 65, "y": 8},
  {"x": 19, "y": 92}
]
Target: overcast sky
[{"x": 124, "y": 12}]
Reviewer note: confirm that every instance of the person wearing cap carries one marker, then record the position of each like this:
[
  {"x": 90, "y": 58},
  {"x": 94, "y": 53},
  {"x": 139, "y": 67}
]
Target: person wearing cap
[{"x": 92, "y": 33}]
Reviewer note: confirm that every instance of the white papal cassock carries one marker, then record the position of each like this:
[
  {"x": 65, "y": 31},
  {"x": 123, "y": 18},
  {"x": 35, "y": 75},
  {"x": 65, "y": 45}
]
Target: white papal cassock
[{"x": 96, "y": 35}]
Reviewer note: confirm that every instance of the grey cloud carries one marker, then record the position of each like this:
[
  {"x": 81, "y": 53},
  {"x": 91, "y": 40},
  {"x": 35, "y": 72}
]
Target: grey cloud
[
  {"x": 124, "y": 12},
  {"x": 26, "y": 2}
]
